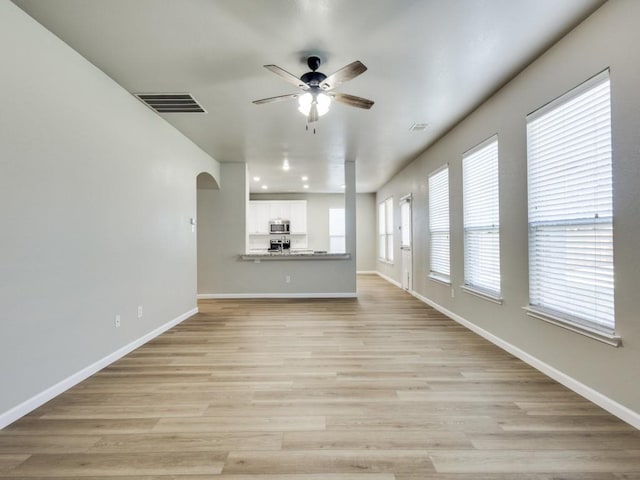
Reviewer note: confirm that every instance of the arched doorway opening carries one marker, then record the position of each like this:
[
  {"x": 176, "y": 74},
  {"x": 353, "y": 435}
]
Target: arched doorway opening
[{"x": 205, "y": 184}]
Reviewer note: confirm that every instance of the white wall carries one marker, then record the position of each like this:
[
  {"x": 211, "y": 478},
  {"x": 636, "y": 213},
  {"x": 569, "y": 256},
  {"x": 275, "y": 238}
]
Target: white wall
[
  {"x": 96, "y": 193},
  {"x": 318, "y": 205},
  {"x": 221, "y": 241},
  {"x": 606, "y": 39}
]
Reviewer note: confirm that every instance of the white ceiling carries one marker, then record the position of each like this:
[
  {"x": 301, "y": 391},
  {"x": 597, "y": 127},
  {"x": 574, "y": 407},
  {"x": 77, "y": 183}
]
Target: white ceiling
[{"x": 429, "y": 61}]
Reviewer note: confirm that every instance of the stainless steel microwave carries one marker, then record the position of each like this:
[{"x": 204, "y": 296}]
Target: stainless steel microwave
[{"x": 279, "y": 226}]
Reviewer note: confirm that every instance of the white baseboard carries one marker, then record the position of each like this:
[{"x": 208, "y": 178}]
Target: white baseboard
[
  {"x": 366, "y": 272},
  {"x": 610, "y": 405},
  {"x": 34, "y": 402},
  {"x": 213, "y": 296},
  {"x": 390, "y": 280}
]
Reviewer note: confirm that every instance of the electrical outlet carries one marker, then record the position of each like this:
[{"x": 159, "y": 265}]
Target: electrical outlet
[
  {"x": 139, "y": 311},
  {"x": 117, "y": 322},
  {"x": 287, "y": 279}
]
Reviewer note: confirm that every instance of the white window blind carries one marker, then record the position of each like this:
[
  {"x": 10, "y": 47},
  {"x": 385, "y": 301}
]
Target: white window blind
[
  {"x": 336, "y": 230},
  {"x": 481, "y": 207},
  {"x": 385, "y": 230},
  {"x": 382, "y": 237},
  {"x": 389, "y": 213},
  {"x": 571, "y": 207},
  {"x": 439, "y": 223},
  {"x": 405, "y": 222}
]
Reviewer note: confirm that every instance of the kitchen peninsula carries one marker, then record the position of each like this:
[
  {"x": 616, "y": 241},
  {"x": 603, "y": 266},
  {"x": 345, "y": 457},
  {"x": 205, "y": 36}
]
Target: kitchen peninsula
[{"x": 295, "y": 255}]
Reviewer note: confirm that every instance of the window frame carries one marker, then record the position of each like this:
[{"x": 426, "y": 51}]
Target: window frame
[
  {"x": 484, "y": 197},
  {"x": 561, "y": 221},
  {"x": 385, "y": 230},
  {"x": 440, "y": 276},
  {"x": 333, "y": 235}
]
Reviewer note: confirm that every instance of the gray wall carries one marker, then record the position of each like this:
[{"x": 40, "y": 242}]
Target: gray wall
[
  {"x": 606, "y": 39},
  {"x": 96, "y": 193},
  {"x": 366, "y": 231},
  {"x": 318, "y": 205},
  {"x": 221, "y": 241}
]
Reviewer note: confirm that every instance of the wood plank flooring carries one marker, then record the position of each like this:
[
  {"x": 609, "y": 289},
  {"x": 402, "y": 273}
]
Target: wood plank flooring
[{"x": 378, "y": 388}]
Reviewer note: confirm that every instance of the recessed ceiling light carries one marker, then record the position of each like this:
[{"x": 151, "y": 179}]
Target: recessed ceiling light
[
  {"x": 342, "y": 186},
  {"x": 285, "y": 165},
  {"x": 256, "y": 179},
  {"x": 305, "y": 178},
  {"x": 305, "y": 186},
  {"x": 264, "y": 187}
]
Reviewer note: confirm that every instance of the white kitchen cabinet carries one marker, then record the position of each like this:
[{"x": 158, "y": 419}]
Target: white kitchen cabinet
[
  {"x": 260, "y": 212},
  {"x": 258, "y": 218},
  {"x": 298, "y": 216},
  {"x": 278, "y": 210}
]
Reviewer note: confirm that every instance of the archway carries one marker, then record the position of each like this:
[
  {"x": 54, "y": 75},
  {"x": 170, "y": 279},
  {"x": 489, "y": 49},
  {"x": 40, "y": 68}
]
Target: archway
[{"x": 205, "y": 183}]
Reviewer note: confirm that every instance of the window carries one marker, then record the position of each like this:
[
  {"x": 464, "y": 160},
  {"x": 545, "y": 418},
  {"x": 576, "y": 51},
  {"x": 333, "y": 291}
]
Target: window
[
  {"x": 570, "y": 209},
  {"x": 405, "y": 222},
  {"x": 439, "y": 224},
  {"x": 385, "y": 230},
  {"x": 481, "y": 203},
  {"x": 336, "y": 230}
]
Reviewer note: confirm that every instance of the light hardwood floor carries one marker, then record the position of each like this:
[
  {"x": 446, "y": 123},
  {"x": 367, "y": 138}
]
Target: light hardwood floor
[{"x": 379, "y": 388}]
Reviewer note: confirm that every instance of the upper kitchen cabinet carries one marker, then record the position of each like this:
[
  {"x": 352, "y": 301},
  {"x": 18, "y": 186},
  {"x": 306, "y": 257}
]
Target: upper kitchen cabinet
[
  {"x": 263, "y": 211},
  {"x": 258, "y": 218},
  {"x": 298, "y": 216}
]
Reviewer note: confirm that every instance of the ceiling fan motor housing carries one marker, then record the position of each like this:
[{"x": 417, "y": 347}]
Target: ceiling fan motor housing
[
  {"x": 314, "y": 62},
  {"x": 313, "y": 79}
]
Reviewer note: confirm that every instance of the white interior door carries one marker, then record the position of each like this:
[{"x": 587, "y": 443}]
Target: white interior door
[{"x": 405, "y": 242}]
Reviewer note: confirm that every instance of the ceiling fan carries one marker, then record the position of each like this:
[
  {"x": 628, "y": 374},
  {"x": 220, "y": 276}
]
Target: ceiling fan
[{"x": 317, "y": 86}]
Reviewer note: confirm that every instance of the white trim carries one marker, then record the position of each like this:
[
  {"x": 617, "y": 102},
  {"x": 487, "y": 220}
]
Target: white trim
[
  {"x": 601, "y": 336},
  {"x": 610, "y": 405},
  {"x": 439, "y": 278},
  {"x": 482, "y": 294},
  {"x": 213, "y": 296},
  {"x": 366, "y": 272},
  {"x": 39, "y": 399},
  {"x": 390, "y": 280}
]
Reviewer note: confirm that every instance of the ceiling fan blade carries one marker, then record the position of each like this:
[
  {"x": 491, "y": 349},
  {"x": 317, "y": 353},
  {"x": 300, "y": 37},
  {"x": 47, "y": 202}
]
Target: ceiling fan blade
[
  {"x": 289, "y": 77},
  {"x": 279, "y": 98},
  {"x": 313, "y": 113},
  {"x": 344, "y": 74},
  {"x": 352, "y": 100}
]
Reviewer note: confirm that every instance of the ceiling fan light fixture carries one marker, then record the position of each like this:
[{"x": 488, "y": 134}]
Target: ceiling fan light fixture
[{"x": 322, "y": 100}]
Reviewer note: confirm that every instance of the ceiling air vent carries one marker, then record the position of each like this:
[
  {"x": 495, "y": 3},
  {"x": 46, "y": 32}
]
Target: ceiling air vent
[
  {"x": 419, "y": 127},
  {"x": 171, "y": 102}
]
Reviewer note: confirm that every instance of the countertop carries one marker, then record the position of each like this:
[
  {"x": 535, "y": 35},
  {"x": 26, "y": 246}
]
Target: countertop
[{"x": 294, "y": 255}]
